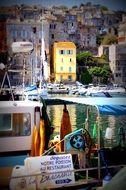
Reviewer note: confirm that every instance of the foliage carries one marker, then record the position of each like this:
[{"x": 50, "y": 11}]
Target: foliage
[
  {"x": 84, "y": 58},
  {"x": 86, "y": 77},
  {"x": 104, "y": 8},
  {"x": 74, "y": 7},
  {"x": 109, "y": 39},
  {"x": 99, "y": 39},
  {"x": 101, "y": 72},
  {"x": 63, "y": 7},
  {"x": 102, "y": 60}
]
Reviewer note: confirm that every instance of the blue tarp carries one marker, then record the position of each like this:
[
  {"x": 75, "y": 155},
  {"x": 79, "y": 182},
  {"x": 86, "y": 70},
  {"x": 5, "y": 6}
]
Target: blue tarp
[
  {"x": 30, "y": 88},
  {"x": 112, "y": 109},
  {"x": 106, "y": 106}
]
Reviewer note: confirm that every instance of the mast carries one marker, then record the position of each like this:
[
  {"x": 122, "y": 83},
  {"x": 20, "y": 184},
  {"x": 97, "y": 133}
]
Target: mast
[{"x": 42, "y": 56}]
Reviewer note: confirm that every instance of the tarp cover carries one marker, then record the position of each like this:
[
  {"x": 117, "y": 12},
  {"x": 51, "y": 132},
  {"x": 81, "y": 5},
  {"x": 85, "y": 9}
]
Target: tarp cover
[
  {"x": 107, "y": 106},
  {"x": 112, "y": 109}
]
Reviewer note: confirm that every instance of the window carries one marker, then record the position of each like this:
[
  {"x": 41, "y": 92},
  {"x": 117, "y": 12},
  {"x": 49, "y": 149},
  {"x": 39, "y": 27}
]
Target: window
[
  {"x": 5, "y": 122},
  {"x": 15, "y": 33},
  {"x": 61, "y": 77},
  {"x": 16, "y": 124},
  {"x": 62, "y": 60},
  {"x": 52, "y": 36},
  {"x": 69, "y": 52},
  {"x": 69, "y": 78},
  {"x": 61, "y": 68},
  {"x": 23, "y": 34},
  {"x": 70, "y": 69},
  {"x": 62, "y": 52},
  {"x": 70, "y": 60},
  {"x": 52, "y": 26}
]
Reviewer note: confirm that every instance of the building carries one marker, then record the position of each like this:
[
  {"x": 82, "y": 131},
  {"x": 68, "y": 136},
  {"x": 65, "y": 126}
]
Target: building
[
  {"x": 64, "y": 61},
  {"x": 122, "y": 31},
  {"x": 117, "y": 58},
  {"x": 103, "y": 50},
  {"x": 34, "y": 31}
]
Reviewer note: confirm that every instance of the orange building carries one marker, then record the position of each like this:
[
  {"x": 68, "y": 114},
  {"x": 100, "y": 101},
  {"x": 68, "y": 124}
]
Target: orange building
[{"x": 64, "y": 61}]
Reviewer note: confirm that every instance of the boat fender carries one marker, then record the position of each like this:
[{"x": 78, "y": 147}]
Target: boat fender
[
  {"x": 37, "y": 116},
  {"x": 106, "y": 179},
  {"x": 77, "y": 141},
  {"x": 109, "y": 133}
]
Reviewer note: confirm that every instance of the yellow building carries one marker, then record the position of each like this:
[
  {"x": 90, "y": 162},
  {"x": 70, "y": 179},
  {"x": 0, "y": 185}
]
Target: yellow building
[{"x": 64, "y": 61}]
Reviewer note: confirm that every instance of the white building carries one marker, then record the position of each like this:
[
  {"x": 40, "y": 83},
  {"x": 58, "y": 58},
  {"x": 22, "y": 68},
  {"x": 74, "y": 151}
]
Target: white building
[
  {"x": 122, "y": 31},
  {"x": 117, "y": 58},
  {"x": 29, "y": 30}
]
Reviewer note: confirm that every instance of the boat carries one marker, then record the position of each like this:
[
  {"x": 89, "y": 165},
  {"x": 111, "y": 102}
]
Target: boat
[
  {"x": 17, "y": 120},
  {"x": 16, "y": 163},
  {"x": 32, "y": 92},
  {"x": 97, "y": 91},
  {"x": 105, "y": 91}
]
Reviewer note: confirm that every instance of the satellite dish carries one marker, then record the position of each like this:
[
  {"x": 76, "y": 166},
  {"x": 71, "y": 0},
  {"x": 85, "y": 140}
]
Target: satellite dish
[
  {"x": 22, "y": 47},
  {"x": 2, "y": 66}
]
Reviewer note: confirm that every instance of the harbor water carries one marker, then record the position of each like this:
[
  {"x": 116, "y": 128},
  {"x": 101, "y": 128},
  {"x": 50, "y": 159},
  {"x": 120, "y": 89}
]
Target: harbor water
[{"x": 78, "y": 115}]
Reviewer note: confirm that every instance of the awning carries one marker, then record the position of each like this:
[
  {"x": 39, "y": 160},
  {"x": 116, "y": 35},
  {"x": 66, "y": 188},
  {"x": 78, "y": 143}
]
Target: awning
[
  {"x": 107, "y": 106},
  {"x": 112, "y": 109}
]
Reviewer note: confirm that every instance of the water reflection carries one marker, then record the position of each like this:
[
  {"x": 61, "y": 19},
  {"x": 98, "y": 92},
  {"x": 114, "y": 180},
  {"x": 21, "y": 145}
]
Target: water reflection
[{"x": 78, "y": 114}]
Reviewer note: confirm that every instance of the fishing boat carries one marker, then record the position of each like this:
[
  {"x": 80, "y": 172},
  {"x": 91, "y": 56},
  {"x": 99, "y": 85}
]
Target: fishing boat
[
  {"x": 106, "y": 157},
  {"x": 17, "y": 121},
  {"x": 54, "y": 170}
]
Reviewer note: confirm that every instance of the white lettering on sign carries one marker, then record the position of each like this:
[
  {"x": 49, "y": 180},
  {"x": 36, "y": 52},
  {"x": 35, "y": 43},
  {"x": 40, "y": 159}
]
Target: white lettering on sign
[{"x": 55, "y": 170}]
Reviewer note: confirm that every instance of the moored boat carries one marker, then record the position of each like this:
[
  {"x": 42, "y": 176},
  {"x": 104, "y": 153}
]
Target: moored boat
[
  {"x": 103, "y": 106},
  {"x": 17, "y": 121}
]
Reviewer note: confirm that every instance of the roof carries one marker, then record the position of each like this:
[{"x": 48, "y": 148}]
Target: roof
[
  {"x": 64, "y": 44},
  {"x": 23, "y": 103}
]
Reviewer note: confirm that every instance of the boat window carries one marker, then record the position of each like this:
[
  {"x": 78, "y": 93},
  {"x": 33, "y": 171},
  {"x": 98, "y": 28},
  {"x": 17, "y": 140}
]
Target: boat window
[{"x": 16, "y": 124}]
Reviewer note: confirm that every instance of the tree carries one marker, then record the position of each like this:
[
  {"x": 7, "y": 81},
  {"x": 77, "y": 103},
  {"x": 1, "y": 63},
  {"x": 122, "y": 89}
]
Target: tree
[
  {"x": 86, "y": 77},
  {"x": 101, "y": 74},
  {"x": 109, "y": 39},
  {"x": 75, "y": 7},
  {"x": 99, "y": 39},
  {"x": 104, "y": 8},
  {"x": 85, "y": 58},
  {"x": 102, "y": 60}
]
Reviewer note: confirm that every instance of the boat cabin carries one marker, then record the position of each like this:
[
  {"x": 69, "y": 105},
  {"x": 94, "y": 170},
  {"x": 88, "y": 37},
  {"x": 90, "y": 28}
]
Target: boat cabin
[{"x": 17, "y": 120}]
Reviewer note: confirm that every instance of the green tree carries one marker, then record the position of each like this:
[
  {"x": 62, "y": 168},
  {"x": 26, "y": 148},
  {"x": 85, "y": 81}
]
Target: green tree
[
  {"x": 101, "y": 73},
  {"x": 109, "y": 39},
  {"x": 99, "y": 39},
  {"x": 86, "y": 77},
  {"x": 104, "y": 8},
  {"x": 102, "y": 60},
  {"x": 84, "y": 58},
  {"x": 74, "y": 7}
]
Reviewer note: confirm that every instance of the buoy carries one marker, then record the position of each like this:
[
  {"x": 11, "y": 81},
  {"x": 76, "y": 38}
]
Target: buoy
[
  {"x": 106, "y": 179},
  {"x": 109, "y": 133}
]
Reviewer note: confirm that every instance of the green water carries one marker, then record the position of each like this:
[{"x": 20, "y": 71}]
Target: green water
[{"x": 78, "y": 114}]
